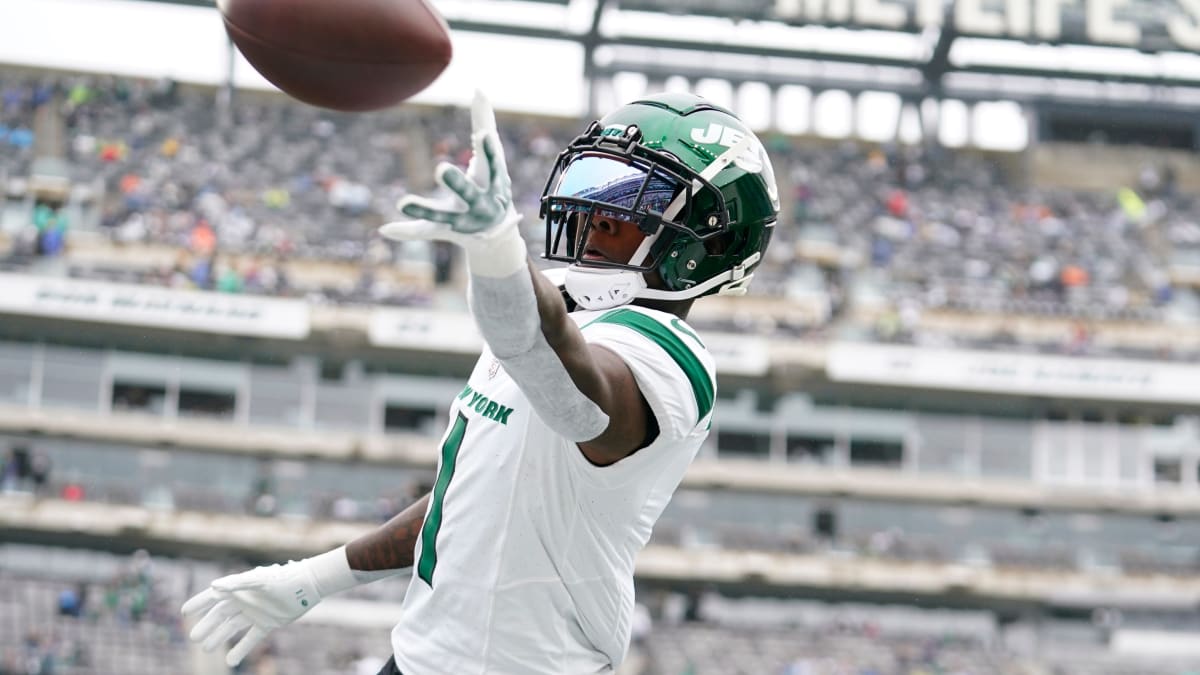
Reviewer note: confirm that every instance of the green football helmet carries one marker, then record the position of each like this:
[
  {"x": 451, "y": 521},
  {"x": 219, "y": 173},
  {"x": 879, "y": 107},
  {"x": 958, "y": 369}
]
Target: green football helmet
[{"x": 692, "y": 177}]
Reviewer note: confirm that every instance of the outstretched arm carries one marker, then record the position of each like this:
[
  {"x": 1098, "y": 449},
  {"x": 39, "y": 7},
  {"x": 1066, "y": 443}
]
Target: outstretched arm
[
  {"x": 585, "y": 393},
  {"x": 599, "y": 373},
  {"x": 261, "y": 600}
]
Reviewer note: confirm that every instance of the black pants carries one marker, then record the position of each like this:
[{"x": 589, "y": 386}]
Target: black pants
[{"x": 390, "y": 668}]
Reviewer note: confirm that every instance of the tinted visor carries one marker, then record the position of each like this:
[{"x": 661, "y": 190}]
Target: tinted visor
[
  {"x": 595, "y": 178},
  {"x": 594, "y": 186},
  {"x": 618, "y": 189}
]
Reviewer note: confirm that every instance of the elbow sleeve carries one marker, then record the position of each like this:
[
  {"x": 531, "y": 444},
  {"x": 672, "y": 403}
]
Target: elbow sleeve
[{"x": 505, "y": 309}]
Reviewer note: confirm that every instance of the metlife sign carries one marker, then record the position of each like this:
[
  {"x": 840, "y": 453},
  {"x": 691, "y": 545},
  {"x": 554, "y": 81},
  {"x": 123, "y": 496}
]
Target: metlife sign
[
  {"x": 1125, "y": 23},
  {"x": 1149, "y": 25}
]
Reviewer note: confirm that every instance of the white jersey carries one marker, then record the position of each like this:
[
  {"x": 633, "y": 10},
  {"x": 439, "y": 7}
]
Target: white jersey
[{"x": 525, "y": 562}]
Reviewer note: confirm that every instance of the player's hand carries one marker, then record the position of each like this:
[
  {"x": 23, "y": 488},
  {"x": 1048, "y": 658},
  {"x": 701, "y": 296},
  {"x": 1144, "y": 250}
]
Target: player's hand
[
  {"x": 261, "y": 599},
  {"x": 480, "y": 215}
]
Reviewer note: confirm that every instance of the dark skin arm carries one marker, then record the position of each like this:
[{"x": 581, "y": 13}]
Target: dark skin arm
[
  {"x": 599, "y": 373},
  {"x": 389, "y": 546}
]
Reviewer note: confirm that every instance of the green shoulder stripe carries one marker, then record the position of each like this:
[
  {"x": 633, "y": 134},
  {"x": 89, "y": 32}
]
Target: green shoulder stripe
[{"x": 702, "y": 385}]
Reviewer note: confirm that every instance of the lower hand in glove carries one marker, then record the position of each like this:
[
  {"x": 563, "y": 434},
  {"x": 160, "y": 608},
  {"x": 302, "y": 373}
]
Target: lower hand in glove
[{"x": 261, "y": 599}]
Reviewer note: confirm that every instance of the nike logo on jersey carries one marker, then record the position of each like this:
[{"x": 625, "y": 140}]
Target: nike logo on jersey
[{"x": 485, "y": 406}]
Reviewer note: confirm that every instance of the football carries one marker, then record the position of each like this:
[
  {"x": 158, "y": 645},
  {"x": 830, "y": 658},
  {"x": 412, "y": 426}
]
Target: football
[{"x": 349, "y": 55}]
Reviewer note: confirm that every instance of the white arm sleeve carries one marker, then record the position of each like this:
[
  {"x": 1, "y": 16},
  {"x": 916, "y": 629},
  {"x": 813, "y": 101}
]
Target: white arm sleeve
[{"x": 505, "y": 309}]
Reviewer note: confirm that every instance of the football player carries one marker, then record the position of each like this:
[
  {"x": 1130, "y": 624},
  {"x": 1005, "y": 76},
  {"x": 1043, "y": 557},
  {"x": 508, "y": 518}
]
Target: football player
[{"x": 590, "y": 400}]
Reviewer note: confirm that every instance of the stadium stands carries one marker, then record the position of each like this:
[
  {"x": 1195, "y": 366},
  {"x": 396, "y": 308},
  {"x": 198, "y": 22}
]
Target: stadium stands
[
  {"x": 267, "y": 185},
  {"x": 1017, "y": 505},
  {"x": 1077, "y": 540},
  {"x": 76, "y": 613},
  {"x": 250, "y": 199},
  {"x": 710, "y": 650}
]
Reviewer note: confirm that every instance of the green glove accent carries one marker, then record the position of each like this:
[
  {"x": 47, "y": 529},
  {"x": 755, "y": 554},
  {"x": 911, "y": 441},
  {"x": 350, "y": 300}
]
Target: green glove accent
[{"x": 480, "y": 217}]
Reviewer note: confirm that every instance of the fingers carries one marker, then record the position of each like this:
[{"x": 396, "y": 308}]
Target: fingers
[
  {"x": 199, "y": 602},
  {"x": 243, "y": 581},
  {"x": 484, "y": 206},
  {"x": 216, "y": 616},
  {"x": 224, "y": 616},
  {"x": 485, "y": 142},
  {"x": 234, "y": 625},
  {"x": 244, "y": 646},
  {"x": 483, "y": 124},
  {"x": 486, "y": 192},
  {"x": 457, "y": 182},
  {"x": 483, "y": 117},
  {"x": 411, "y": 230},
  {"x": 419, "y": 208},
  {"x": 497, "y": 165}
]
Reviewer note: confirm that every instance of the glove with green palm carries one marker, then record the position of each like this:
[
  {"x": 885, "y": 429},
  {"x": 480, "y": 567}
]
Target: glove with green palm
[{"x": 480, "y": 216}]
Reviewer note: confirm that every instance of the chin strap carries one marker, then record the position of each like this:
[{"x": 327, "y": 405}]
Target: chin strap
[
  {"x": 593, "y": 288},
  {"x": 736, "y": 278},
  {"x": 605, "y": 289},
  {"x": 598, "y": 288}
]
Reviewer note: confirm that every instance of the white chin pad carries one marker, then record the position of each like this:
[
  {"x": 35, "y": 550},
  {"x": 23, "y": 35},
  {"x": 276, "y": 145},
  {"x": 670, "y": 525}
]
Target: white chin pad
[{"x": 603, "y": 289}]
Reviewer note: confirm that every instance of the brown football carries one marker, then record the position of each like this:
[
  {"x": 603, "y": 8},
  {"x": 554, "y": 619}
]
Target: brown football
[{"x": 351, "y": 55}]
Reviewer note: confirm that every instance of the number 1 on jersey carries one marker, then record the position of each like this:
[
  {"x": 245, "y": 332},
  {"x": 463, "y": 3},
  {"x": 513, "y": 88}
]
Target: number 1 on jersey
[{"x": 433, "y": 521}]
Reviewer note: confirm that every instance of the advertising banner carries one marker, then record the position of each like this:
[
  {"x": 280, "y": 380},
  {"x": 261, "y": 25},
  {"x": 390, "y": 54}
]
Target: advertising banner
[
  {"x": 455, "y": 332},
  {"x": 1021, "y": 374},
  {"x": 136, "y": 305}
]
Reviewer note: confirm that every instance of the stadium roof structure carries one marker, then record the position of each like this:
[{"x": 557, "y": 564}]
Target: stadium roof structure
[
  {"x": 1136, "y": 55},
  {"x": 1140, "y": 51}
]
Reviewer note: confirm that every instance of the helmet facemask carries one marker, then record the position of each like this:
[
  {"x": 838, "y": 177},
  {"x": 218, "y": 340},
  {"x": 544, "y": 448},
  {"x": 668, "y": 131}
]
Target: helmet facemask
[{"x": 606, "y": 174}]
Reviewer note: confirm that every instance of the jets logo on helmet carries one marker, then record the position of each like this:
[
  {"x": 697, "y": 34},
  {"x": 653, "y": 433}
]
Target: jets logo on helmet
[
  {"x": 689, "y": 174},
  {"x": 754, "y": 159}
]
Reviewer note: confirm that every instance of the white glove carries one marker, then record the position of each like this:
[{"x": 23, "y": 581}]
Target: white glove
[
  {"x": 264, "y": 599},
  {"x": 482, "y": 219}
]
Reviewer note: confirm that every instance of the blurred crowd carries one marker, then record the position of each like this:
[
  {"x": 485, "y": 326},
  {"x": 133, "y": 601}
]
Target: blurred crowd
[
  {"x": 81, "y": 612},
  {"x": 694, "y": 631},
  {"x": 131, "y": 600},
  {"x": 950, "y": 229},
  {"x": 24, "y": 469},
  {"x": 19, "y": 101},
  {"x": 243, "y": 190},
  {"x": 862, "y": 649},
  {"x": 896, "y": 544},
  {"x": 998, "y": 539}
]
